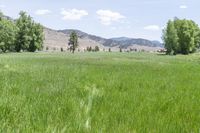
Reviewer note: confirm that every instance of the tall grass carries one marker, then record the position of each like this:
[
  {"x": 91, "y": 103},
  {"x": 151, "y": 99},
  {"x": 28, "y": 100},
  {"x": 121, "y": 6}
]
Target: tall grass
[{"x": 99, "y": 92}]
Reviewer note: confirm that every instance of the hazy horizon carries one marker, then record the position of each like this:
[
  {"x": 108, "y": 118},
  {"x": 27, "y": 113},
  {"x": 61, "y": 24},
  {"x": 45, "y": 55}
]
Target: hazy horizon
[{"x": 106, "y": 18}]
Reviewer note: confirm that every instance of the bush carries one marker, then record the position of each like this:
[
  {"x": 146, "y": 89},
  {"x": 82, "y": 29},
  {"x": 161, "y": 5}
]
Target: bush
[
  {"x": 96, "y": 49},
  {"x": 89, "y": 49},
  {"x": 61, "y": 49},
  {"x": 120, "y": 49}
]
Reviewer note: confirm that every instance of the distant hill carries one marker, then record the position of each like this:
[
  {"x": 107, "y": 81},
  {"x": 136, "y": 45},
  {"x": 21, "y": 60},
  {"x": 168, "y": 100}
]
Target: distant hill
[
  {"x": 84, "y": 35},
  {"x": 8, "y": 18},
  {"x": 55, "y": 40},
  {"x": 126, "y": 42},
  {"x": 121, "y": 39},
  {"x": 122, "y": 42}
]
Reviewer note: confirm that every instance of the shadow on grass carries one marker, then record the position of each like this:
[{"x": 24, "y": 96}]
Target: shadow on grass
[{"x": 162, "y": 54}]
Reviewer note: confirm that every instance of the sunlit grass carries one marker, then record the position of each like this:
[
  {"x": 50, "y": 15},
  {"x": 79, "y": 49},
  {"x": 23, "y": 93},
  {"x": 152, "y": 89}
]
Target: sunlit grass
[{"x": 99, "y": 92}]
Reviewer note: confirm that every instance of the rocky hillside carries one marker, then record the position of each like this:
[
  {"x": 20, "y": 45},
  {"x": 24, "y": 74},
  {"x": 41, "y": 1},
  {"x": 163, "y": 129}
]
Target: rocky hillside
[
  {"x": 56, "y": 40},
  {"x": 84, "y": 35},
  {"x": 124, "y": 42},
  {"x": 116, "y": 43}
]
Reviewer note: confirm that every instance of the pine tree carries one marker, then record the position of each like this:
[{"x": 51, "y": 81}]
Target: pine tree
[{"x": 73, "y": 41}]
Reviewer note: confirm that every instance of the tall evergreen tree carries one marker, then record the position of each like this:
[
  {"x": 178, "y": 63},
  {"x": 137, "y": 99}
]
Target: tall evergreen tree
[
  {"x": 73, "y": 41},
  {"x": 120, "y": 49}
]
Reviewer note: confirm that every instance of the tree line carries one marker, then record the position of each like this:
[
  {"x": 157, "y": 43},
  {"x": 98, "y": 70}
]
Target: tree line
[
  {"x": 181, "y": 36},
  {"x": 22, "y": 34}
]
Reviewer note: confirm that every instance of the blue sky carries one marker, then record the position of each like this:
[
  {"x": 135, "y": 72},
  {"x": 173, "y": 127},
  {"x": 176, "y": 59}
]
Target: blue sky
[{"x": 106, "y": 18}]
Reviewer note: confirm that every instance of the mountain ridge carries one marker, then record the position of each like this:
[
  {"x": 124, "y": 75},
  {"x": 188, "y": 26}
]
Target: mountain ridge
[{"x": 123, "y": 42}]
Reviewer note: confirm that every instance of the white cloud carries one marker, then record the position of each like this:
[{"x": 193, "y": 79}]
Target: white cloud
[
  {"x": 73, "y": 14},
  {"x": 107, "y": 17},
  {"x": 152, "y": 27},
  {"x": 42, "y": 12},
  {"x": 183, "y": 7}
]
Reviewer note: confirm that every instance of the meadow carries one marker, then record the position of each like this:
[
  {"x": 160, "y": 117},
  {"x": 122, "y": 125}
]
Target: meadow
[{"x": 99, "y": 92}]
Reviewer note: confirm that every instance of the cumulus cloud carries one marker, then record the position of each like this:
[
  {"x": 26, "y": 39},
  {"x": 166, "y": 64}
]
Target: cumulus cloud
[
  {"x": 152, "y": 27},
  {"x": 183, "y": 7},
  {"x": 107, "y": 17},
  {"x": 73, "y": 14},
  {"x": 42, "y": 12}
]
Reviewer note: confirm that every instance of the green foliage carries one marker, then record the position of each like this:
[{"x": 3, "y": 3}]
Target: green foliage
[
  {"x": 30, "y": 34},
  {"x": 61, "y": 49},
  {"x": 96, "y": 49},
  {"x": 37, "y": 38},
  {"x": 24, "y": 34},
  {"x": 120, "y": 49},
  {"x": 89, "y": 49},
  {"x": 73, "y": 41},
  {"x": 181, "y": 36},
  {"x": 1, "y": 15},
  {"x": 170, "y": 38},
  {"x": 24, "y": 23},
  {"x": 7, "y": 35}
]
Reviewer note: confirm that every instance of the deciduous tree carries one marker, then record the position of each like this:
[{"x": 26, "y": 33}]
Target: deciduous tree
[
  {"x": 7, "y": 34},
  {"x": 170, "y": 38},
  {"x": 181, "y": 36},
  {"x": 30, "y": 34}
]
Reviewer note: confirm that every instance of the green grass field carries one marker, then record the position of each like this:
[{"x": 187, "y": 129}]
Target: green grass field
[{"x": 99, "y": 92}]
